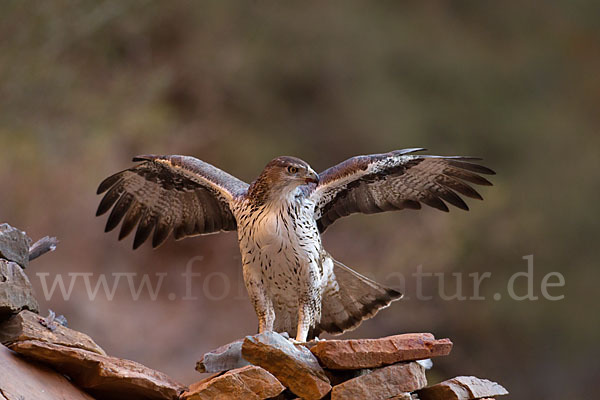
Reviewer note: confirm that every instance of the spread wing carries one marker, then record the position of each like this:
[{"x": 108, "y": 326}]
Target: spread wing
[
  {"x": 167, "y": 194},
  {"x": 395, "y": 181}
]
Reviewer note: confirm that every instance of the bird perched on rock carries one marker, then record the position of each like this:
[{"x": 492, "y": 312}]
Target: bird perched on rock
[{"x": 295, "y": 285}]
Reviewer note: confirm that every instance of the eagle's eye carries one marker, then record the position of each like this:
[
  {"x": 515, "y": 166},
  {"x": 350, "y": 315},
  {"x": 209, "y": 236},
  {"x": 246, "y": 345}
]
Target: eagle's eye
[{"x": 292, "y": 170}]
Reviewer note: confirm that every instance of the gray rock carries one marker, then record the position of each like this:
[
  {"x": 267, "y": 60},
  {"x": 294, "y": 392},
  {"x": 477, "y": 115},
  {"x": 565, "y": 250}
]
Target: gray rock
[
  {"x": 42, "y": 246},
  {"x": 224, "y": 358},
  {"x": 16, "y": 292},
  {"x": 14, "y": 245}
]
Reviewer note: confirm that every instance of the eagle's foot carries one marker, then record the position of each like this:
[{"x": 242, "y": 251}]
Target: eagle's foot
[
  {"x": 296, "y": 342},
  {"x": 427, "y": 363}
]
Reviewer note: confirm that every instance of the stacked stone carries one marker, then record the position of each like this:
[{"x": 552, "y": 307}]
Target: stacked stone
[
  {"x": 16, "y": 292},
  {"x": 270, "y": 366},
  {"x": 38, "y": 353},
  {"x": 40, "y": 358}
]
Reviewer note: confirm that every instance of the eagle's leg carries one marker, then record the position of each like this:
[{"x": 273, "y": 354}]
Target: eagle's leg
[
  {"x": 304, "y": 322},
  {"x": 263, "y": 305},
  {"x": 265, "y": 314},
  {"x": 309, "y": 311}
]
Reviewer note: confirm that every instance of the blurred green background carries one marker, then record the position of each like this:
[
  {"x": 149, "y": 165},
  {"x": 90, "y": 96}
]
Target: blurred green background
[{"x": 86, "y": 85}]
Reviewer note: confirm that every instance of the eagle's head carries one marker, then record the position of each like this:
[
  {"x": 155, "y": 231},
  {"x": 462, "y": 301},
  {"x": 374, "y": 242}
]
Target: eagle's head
[{"x": 280, "y": 177}]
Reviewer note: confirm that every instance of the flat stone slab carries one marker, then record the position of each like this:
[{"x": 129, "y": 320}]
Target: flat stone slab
[
  {"x": 20, "y": 379},
  {"x": 16, "y": 292},
  {"x": 462, "y": 388},
  {"x": 30, "y": 326},
  {"x": 14, "y": 245},
  {"x": 102, "y": 376},
  {"x": 42, "y": 246},
  {"x": 373, "y": 353},
  {"x": 249, "y": 382},
  {"x": 294, "y": 366},
  {"x": 224, "y": 358},
  {"x": 382, "y": 383}
]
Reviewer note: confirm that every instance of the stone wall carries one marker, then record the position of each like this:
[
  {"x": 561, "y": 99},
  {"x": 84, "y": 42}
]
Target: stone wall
[{"x": 41, "y": 358}]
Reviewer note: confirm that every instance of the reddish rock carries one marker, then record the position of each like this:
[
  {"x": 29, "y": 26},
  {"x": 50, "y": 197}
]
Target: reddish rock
[
  {"x": 249, "y": 382},
  {"x": 382, "y": 383},
  {"x": 372, "y": 353},
  {"x": 224, "y": 358},
  {"x": 29, "y": 326},
  {"x": 102, "y": 376},
  {"x": 342, "y": 375},
  {"x": 295, "y": 367},
  {"x": 462, "y": 388},
  {"x": 20, "y": 379},
  {"x": 16, "y": 292}
]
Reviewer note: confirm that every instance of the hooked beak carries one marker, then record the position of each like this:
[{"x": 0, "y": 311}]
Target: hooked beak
[{"x": 312, "y": 177}]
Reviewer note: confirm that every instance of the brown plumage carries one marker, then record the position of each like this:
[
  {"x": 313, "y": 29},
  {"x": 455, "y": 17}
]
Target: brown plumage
[{"x": 294, "y": 284}]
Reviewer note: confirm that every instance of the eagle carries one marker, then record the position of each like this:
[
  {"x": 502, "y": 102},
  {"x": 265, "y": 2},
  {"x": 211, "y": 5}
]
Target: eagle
[{"x": 294, "y": 284}]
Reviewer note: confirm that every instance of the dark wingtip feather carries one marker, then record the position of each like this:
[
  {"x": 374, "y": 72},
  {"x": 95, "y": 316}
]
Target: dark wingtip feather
[
  {"x": 480, "y": 169},
  {"x": 108, "y": 182},
  {"x": 482, "y": 181},
  {"x": 108, "y": 200},
  {"x": 454, "y": 199},
  {"x": 144, "y": 157},
  {"x": 110, "y": 224},
  {"x": 131, "y": 219},
  {"x": 477, "y": 196},
  {"x": 100, "y": 210},
  {"x": 468, "y": 177},
  {"x": 118, "y": 212},
  {"x": 161, "y": 233},
  {"x": 458, "y": 186},
  {"x": 137, "y": 241},
  {"x": 463, "y": 158},
  {"x": 435, "y": 202},
  {"x": 124, "y": 232},
  {"x": 486, "y": 170},
  {"x": 394, "y": 294},
  {"x": 144, "y": 229},
  {"x": 409, "y": 150},
  {"x": 411, "y": 204}
]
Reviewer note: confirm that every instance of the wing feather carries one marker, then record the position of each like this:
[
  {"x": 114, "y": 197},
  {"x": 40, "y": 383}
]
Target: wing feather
[
  {"x": 111, "y": 197},
  {"x": 161, "y": 232},
  {"x": 165, "y": 194},
  {"x": 131, "y": 219},
  {"x": 144, "y": 228},
  {"x": 395, "y": 181}
]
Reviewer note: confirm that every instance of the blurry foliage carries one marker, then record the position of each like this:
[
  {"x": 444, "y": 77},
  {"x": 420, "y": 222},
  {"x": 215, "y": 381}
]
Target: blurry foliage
[{"x": 85, "y": 85}]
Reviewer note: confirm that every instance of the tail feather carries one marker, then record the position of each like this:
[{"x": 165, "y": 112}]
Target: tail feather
[{"x": 349, "y": 299}]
